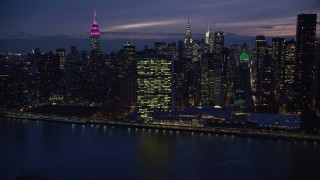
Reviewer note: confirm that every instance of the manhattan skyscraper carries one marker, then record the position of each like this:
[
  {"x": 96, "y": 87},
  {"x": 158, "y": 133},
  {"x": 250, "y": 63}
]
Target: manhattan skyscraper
[
  {"x": 95, "y": 34},
  {"x": 188, "y": 42},
  {"x": 305, "y": 61}
]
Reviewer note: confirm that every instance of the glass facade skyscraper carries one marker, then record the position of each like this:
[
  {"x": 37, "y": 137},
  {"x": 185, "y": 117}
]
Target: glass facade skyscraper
[
  {"x": 154, "y": 82},
  {"x": 305, "y": 61}
]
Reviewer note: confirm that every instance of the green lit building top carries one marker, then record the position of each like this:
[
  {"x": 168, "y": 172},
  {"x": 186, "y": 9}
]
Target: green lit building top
[{"x": 244, "y": 56}]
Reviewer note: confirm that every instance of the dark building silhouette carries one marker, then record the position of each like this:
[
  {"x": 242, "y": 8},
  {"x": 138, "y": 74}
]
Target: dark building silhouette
[
  {"x": 218, "y": 60},
  {"x": 188, "y": 42},
  {"x": 264, "y": 66},
  {"x": 317, "y": 82},
  {"x": 74, "y": 56},
  {"x": 183, "y": 72},
  {"x": 242, "y": 87},
  {"x": 48, "y": 79},
  {"x": 127, "y": 78},
  {"x": 305, "y": 61},
  {"x": 6, "y": 88},
  {"x": 218, "y": 41},
  {"x": 160, "y": 47},
  {"x": 61, "y": 53},
  {"x": 288, "y": 77},
  {"x": 180, "y": 50},
  {"x": 172, "y": 50},
  {"x": 195, "y": 74},
  {"x": 211, "y": 79},
  {"x": 77, "y": 77},
  {"x": 180, "y": 99},
  {"x": 194, "y": 88},
  {"x": 5, "y": 83},
  {"x": 230, "y": 60},
  {"x": 207, "y": 79},
  {"x": 278, "y": 56}
]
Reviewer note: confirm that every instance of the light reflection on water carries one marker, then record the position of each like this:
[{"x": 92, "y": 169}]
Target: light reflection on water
[{"x": 73, "y": 151}]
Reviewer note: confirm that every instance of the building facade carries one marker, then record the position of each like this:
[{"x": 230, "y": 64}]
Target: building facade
[
  {"x": 278, "y": 56},
  {"x": 218, "y": 41},
  {"x": 305, "y": 61},
  {"x": 154, "y": 84},
  {"x": 289, "y": 73}
]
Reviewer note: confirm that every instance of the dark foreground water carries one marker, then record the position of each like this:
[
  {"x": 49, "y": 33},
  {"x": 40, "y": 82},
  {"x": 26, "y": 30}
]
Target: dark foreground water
[{"x": 67, "y": 151}]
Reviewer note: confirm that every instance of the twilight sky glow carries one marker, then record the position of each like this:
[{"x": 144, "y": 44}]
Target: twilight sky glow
[{"x": 146, "y": 19}]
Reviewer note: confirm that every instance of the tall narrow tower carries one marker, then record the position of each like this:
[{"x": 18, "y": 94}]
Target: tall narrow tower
[
  {"x": 98, "y": 80},
  {"x": 188, "y": 36},
  {"x": 209, "y": 39},
  {"x": 208, "y": 34},
  {"x": 95, "y": 34},
  {"x": 188, "y": 42},
  {"x": 305, "y": 61},
  {"x": 278, "y": 55},
  {"x": 264, "y": 71},
  {"x": 218, "y": 41}
]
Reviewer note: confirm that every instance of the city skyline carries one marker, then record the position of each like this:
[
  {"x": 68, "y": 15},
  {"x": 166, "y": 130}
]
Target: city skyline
[
  {"x": 91, "y": 103},
  {"x": 198, "y": 65}
]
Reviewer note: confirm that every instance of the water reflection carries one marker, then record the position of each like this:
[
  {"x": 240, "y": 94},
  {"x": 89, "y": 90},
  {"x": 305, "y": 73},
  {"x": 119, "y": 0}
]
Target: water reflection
[
  {"x": 72, "y": 151},
  {"x": 154, "y": 154}
]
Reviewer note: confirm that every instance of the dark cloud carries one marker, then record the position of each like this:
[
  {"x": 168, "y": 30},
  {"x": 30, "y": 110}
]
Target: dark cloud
[
  {"x": 20, "y": 35},
  {"x": 27, "y": 35},
  {"x": 141, "y": 35},
  {"x": 266, "y": 27}
]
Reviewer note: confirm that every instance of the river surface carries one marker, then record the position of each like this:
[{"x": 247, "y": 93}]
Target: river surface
[{"x": 73, "y": 151}]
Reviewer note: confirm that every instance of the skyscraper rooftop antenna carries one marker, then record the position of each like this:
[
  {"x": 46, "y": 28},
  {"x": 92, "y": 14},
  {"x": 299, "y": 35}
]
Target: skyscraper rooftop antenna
[
  {"x": 95, "y": 16},
  {"x": 188, "y": 35},
  {"x": 212, "y": 27}
]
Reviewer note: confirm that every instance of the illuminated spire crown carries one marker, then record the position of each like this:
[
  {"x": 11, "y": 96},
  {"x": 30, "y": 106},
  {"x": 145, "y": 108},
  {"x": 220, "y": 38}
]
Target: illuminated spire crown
[
  {"x": 95, "y": 31},
  {"x": 208, "y": 34},
  {"x": 188, "y": 36}
]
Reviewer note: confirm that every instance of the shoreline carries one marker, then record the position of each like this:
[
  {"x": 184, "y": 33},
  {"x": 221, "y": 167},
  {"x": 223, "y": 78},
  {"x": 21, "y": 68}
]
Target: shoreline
[{"x": 239, "y": 132}]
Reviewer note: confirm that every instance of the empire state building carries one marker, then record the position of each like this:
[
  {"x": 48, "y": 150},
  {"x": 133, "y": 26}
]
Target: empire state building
[
  {"x": 95, "y": 34},
  {"x": 95, "y": 54}
]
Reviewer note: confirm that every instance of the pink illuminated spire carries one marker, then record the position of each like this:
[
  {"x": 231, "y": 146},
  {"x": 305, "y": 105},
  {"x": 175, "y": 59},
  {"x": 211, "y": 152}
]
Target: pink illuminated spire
[
  {"x": 95, "y": 28},
  {"x": 95, "y": 17}
]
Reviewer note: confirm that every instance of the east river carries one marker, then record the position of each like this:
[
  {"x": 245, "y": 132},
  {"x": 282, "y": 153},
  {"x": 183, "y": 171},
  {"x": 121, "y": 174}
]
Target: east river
[{"x": 74, "y": 151}]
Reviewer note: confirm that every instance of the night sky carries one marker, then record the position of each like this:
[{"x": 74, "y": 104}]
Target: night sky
[{"x": 21, "y": 19}]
